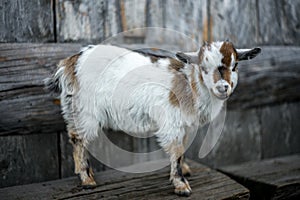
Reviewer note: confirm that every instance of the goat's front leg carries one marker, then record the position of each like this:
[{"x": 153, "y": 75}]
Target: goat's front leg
[
  {"x": 182, "y": 186},
  {"x": 82, "y": 167}
]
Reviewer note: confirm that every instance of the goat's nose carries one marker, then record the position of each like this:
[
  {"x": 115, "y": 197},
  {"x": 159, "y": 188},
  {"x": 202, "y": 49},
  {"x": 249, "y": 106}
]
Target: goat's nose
[
  {"x": 226, "y": 87},
  {"x": 222, "y": 88}
]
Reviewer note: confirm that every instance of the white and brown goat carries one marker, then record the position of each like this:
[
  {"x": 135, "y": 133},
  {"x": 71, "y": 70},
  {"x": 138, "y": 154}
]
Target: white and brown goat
[{"x": 190, "y": 85}]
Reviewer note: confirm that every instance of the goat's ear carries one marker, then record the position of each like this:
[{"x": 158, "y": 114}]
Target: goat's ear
[
  {"x": 187, "y": 57},
  {"x": 247, "y": 54}
]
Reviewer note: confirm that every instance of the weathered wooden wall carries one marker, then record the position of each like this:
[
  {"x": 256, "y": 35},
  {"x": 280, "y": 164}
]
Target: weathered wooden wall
[
  {"x": 26, "y": 21},
  {"x": 34, "y": 146}
]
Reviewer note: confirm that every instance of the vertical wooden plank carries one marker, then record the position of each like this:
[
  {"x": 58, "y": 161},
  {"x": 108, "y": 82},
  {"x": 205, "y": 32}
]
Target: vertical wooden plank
[
  {"x": 80, "y": 21},
  {"x": 28, "y": 159},
  {"x": 280, "y": 130},
  {"x": 26, "y": 21},
  {"x": 135, "y": 13},
  {"x": 133, "y": 19},
  {"x": 279, "y": 22},
  {"x": 113, "y": 21},
  {"x": 155, "y": 13},
  {"x": 234, "y": 20},
  {"x": 182, "y": 20}
]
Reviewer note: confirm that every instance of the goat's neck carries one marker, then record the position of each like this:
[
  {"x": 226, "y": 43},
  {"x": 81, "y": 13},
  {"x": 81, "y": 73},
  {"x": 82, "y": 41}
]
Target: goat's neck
[{"x": 207, "y": 106}]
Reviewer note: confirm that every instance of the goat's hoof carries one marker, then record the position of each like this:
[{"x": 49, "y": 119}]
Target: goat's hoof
[
  {"x": 185, "y": 192},
  {"x": 89, "y": 184},
  {"x": 183, "y": 188}
]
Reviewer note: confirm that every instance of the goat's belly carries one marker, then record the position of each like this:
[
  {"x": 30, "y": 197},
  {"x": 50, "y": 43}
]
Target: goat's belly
[
  {"x": 138, "y": 125},
  {"x": 137, "y": 111}
]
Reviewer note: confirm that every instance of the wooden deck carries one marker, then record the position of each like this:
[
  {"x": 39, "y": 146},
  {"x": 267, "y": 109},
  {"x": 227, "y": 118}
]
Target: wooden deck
[
  {"x": 277, "y": 178},
  {"x": 205, "y": 182}
]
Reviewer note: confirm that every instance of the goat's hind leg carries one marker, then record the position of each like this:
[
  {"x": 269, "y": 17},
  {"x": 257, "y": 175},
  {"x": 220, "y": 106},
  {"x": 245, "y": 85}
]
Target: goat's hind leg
[
  {"x": 186, "y": 171},
  {"x": 82, "y": 166}
]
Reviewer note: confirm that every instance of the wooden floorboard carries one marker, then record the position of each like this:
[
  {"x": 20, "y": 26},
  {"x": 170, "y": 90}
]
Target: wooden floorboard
[
  {"x": 205, "y": 182},
  {"x": 277, "y": 178}
]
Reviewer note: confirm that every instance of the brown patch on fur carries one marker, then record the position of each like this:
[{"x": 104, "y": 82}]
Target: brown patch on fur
[
  {"x": 201, "y": 54},
  {"x": 175, "y": 64},
  {"x": 227, "y": 75},
  {"x": 154, "y": 49},
  {"x": 173, "y": 99},
  {"x": 227, "y": 50},
  {"x": 154, "y": 59},
  {"x": 186, "y": 171},
  {"x": 224, "y": 73},
  {"x": 73, "y": 137},
  {"x": 193, "y": 81},
  {"x": 200, "y": 77},
  {"x": 181, "y": 94},
  {"x": 176, "y": 149},
  {"x": 217, "y": 75},
  {"x": 69, "y": 64}
]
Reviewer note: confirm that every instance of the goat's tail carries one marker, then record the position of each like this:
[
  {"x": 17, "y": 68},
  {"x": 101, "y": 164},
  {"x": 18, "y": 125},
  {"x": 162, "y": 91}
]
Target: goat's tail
[
  {"x": 54, "y": 83},
  {"x": 64, "y": 79}
]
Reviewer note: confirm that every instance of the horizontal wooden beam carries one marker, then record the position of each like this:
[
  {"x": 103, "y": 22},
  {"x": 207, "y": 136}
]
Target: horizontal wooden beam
[
  {"x": 25, "y": 106},
  {"x": 273, "y": 77}
]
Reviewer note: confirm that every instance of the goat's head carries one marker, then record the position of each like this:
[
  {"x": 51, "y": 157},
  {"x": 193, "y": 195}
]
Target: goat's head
[{"x": 217, "y": 63}]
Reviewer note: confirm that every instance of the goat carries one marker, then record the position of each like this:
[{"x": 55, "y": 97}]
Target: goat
[{"x": 193, "y": 83}]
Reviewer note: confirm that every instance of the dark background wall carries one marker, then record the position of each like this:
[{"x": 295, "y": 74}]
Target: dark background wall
[{"x": 263, "y": 115}]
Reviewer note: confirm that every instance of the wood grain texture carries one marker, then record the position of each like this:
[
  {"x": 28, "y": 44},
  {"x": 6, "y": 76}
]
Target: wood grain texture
[
  {"x": 206, "y": 184},
  {"x": 280, "y": 131},
  {"x": 80, "y": 21},
  {"x": 26, "y": 21},
  {"x": 255, "y": 22},
  {"x": 234, "y": 20},
  {"x": 277, "y": 178},
  {"x": 113, "y": 18},
  {"x": 271, "y": 78},
  {"x": 28, "y": 159},
  {"x": 240, "y": 140},
  {"x": 26, "y": 108},
  {"x": 179, "y": 23},
  {"x": 278, "y": 22}
]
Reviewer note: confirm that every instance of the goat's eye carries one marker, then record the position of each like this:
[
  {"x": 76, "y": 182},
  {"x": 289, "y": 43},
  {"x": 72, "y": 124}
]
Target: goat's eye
[
  {"x": 235, "y": 67},
  {"x": 221, "y": 69}
]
